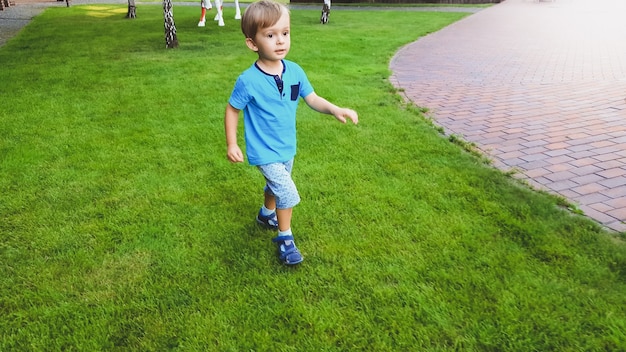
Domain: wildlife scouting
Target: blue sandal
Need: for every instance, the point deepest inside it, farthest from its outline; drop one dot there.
(269, 222)
(290, 254)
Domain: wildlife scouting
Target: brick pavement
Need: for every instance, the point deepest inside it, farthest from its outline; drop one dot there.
(539, 87)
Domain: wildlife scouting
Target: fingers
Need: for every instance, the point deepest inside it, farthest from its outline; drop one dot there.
(347, 113)
(352, 115)
(234, 155)
(235, 158)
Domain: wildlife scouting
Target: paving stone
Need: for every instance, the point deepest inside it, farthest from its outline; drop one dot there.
(542, 85)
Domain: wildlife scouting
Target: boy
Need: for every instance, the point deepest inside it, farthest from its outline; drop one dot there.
(268, 92)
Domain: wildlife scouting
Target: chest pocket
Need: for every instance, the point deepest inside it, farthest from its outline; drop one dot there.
(295, 91)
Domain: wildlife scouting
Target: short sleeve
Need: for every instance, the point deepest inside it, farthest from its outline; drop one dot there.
(239, 97)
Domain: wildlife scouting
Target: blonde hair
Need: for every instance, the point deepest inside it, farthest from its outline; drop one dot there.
(261, 14)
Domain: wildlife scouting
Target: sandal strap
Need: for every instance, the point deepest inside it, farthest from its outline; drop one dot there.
(282, 238)
(284, 255)
(289, 255)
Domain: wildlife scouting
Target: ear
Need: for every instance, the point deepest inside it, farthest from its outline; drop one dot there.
(250, 43)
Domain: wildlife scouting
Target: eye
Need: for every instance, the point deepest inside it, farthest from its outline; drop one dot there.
(270, 36)
(286, 33)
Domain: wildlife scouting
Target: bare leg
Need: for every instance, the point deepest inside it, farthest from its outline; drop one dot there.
(284, 218)
(270, 201)
(218, 17)
(325, 12)
(283, 215)
(204, 5)
(237, 10)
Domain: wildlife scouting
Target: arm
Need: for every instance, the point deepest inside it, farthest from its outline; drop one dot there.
(231, 119)
(322, 105)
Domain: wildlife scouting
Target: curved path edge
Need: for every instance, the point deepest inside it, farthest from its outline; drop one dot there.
(540, 88)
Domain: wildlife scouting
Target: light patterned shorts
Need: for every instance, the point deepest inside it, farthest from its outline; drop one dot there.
(279, 183)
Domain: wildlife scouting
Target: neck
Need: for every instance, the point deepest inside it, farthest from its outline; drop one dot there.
(273, 67)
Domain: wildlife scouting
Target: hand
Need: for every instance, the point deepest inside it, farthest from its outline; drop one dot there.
(234, 154)
(343, 113)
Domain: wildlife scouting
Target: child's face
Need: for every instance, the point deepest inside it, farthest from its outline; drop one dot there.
(272, 43)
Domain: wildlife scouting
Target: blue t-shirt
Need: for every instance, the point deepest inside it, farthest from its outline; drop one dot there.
(269, 111)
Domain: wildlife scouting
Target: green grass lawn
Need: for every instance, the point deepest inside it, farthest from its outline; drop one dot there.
(124, 227)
